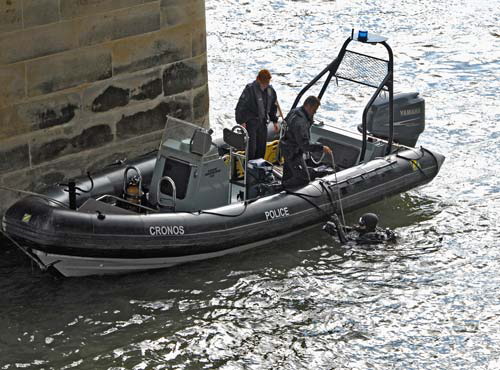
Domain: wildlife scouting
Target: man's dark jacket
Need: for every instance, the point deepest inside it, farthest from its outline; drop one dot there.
(252, 107)
(296, 140)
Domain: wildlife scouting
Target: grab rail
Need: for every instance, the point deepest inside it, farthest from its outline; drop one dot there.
(174, 192)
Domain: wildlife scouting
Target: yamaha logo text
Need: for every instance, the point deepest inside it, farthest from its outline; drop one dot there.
(409, 112)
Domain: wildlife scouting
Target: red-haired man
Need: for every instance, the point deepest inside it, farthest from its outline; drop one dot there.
(257, 107)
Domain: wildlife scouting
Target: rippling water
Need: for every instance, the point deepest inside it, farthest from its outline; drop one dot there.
(429, 301)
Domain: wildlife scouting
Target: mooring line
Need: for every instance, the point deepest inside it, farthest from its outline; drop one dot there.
(35, 195)
(30, 255)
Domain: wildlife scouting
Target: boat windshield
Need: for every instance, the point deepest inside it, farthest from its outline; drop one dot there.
(178, 132)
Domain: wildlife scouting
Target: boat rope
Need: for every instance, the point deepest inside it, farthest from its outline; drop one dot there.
(121, 162)
(307, 195)
(118, 162)
(316, 162)
(304, 197)
(282, 130)
(327, 191)
(201, 212)
(80, 189)
(35, 195)
(324, 189)
(432, 155)
(147, 154)
(336, 181)
(338, 188)
(421, 154)
(25, 251)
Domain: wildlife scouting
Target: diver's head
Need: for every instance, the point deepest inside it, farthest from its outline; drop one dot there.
(311, 105)
(368, 221)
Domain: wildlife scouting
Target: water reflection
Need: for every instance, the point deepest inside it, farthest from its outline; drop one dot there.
(297, 302)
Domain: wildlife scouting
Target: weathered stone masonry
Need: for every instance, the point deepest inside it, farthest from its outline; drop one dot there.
(86, 82)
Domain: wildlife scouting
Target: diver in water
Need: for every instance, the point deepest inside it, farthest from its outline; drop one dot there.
(366, 232)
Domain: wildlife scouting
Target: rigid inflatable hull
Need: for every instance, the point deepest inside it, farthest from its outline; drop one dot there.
(77, 244)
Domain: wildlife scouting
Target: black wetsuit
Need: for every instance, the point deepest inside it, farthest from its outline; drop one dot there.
(357, 234)
(294, 144)
(373, 237)
(256, 107)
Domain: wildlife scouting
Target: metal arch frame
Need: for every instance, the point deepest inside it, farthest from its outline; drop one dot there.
(387, 82)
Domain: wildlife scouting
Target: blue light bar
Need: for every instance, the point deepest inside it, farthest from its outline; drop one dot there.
(362, 36)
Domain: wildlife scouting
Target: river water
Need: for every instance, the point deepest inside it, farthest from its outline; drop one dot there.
(431, 300)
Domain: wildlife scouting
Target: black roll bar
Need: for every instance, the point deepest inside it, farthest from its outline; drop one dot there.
(387, 82)
(332, 67)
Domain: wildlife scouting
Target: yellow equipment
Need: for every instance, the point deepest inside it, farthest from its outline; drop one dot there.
(270, 156)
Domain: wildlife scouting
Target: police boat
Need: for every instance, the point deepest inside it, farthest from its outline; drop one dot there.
(200, 198)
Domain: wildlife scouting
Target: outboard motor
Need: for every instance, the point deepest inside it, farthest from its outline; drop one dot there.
(409, 118)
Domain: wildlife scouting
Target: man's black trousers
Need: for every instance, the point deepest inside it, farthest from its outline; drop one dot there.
(257, 132)
(295, 171)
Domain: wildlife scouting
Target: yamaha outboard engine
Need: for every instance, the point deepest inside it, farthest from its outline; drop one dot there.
(409, 118)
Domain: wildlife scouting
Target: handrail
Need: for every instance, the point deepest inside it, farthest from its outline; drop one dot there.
(174, 192)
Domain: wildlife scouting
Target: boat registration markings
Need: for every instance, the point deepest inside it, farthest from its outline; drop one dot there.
(166, 230)
(277, 213)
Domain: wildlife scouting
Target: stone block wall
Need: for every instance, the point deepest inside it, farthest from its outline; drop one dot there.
(86, 82)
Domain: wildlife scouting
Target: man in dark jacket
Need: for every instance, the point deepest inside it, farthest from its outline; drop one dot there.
(296, 142)
(256, 107)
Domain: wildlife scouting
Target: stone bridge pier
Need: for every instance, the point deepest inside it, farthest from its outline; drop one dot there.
(86, 82)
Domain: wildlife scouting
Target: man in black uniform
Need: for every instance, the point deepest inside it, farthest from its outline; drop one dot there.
(296, 142)
(256, 107)
(366, 232)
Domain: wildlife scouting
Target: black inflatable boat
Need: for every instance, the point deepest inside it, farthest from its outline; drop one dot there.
(198, 198)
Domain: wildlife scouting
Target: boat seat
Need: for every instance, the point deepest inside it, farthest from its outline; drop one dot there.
(234, 139)
(92, 205)
(201, 142)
